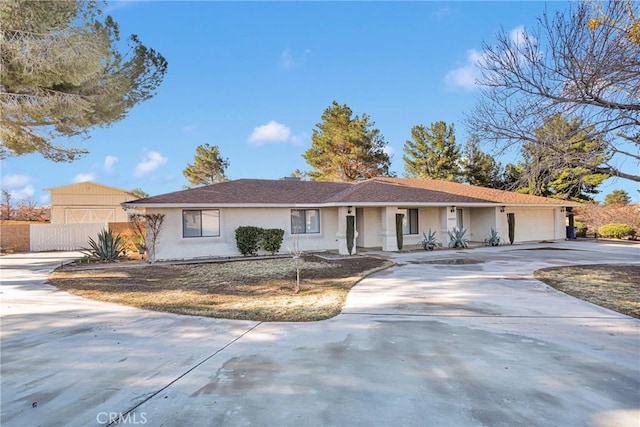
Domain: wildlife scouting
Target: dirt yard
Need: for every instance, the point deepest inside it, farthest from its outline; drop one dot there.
(252, 289)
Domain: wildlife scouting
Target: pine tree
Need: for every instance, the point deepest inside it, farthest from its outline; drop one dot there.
(479, 168)
(346, 148)
(64, 71)
(432, 153)
(208, 166)
(562, 160)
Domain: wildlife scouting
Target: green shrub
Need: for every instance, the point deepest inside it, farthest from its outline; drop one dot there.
(493, 239)
(617, 231)
(457, 238)
(582, 229)
(248, 239)
(399, 235)
(108, 248)
(430, 241)
(272, 239)
(351, 226)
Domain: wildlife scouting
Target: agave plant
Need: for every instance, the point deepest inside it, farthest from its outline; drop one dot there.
(430, 241)
(493, 239)
(108, 248)
(457, 238)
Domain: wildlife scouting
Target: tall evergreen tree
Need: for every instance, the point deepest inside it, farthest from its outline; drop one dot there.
(617, 197)
(562, 160)
(346, 148)
(65, 71)
(208, 166)
(432, 153)
(479, 168)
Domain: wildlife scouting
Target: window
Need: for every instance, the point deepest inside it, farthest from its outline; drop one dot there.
(305, 221)
(204, 223)
(410, 221)
(459, 219)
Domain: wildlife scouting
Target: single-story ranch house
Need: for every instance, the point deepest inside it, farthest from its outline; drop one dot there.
(201, 222)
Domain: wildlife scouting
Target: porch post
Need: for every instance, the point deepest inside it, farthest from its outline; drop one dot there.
(389, 241)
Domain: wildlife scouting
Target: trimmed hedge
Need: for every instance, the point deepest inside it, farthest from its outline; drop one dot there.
(250, 239)
(272, 239)
(617, 231)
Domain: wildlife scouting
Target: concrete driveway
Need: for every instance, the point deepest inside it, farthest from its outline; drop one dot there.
(471, 343)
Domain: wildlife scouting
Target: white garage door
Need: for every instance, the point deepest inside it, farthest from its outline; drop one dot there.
(87, 216)
(534, 224)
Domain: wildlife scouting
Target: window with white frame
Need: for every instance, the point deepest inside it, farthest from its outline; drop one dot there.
(410, 221)
(305, 221)
(201, 223)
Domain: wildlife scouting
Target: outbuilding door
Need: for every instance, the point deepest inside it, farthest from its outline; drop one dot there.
(88, 215)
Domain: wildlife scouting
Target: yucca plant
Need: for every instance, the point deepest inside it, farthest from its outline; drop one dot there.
(430, 241)
(493, 239)
(108, 248)
(457, 238)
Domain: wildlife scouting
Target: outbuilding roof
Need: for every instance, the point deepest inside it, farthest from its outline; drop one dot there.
(376, 191)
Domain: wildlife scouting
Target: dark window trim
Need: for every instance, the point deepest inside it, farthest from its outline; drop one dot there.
(200, 211)
(304, 221)
(413, 227)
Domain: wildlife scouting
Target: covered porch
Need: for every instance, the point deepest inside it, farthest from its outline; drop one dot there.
(375, 226)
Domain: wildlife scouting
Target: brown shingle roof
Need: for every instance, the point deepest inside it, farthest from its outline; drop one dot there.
(482, 193)
(374, 191)
(251, 191)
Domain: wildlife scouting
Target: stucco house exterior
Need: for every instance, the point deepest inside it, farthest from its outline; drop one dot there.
(201, 222)
(88, 202)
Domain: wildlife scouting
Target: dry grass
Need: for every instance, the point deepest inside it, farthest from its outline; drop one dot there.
(252, 289)
(616, 287)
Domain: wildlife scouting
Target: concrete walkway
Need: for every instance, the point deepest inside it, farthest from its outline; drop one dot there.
(469, 344)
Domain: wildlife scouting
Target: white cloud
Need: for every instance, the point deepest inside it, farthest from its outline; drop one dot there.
(289, 60)
(518, 36)
(83, 177)
(151, 161)
(272, 132)
(23, 193)
(109, 162)
(45, 199)
(389, 151)
(467, 75)
(13, 181)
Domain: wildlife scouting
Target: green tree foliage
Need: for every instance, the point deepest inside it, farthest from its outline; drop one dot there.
(511, 176)
(63, 72)
(208, 166)
(562, 160)
(346, 148)
(583, 62)
(617, 197)
(479, 168)
(140, 192)
(432, 153)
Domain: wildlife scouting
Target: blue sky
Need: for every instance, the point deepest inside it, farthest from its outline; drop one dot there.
(255, 77)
